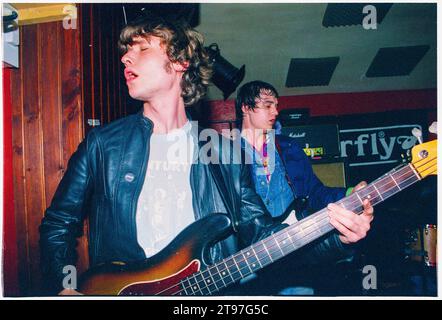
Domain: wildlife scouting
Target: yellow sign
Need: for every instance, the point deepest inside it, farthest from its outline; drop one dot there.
(314, 152)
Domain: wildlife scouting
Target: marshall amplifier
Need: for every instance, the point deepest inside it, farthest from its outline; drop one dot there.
(318, 141)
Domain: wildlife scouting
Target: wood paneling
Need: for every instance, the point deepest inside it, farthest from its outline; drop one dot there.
(47, 127)
(72, 123)
(33, 150)
(51, 118)
(19, 178)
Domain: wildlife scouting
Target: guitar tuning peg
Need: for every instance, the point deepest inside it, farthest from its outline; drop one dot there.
(433, 127)
(417, 133)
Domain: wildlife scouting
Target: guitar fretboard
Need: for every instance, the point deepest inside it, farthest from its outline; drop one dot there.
(264, 252)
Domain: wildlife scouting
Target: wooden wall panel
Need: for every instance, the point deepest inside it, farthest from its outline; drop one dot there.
(51, 117)
(72, 107)
(19, 178)
(33, 149)
(47, 127)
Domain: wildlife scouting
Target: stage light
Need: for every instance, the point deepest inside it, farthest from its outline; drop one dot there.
(225, 76)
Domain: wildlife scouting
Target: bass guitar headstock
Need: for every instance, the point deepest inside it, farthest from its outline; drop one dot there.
(424, 155)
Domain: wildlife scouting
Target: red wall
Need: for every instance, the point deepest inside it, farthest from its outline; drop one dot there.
(10, 276)
(344, 103)
(362, 102)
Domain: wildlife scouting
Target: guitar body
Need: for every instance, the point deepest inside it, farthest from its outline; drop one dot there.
(162, 273)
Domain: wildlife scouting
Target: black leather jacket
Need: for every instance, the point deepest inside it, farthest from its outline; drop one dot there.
(103, 181)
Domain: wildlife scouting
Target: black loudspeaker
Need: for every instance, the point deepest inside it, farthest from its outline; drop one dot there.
(331, 174)
(318, 141)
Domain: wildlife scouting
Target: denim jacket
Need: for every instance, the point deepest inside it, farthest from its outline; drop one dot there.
(304, 182)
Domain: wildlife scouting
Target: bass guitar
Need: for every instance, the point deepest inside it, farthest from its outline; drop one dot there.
(181, 268)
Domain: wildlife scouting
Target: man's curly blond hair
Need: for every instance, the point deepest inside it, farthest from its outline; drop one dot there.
(183, 44)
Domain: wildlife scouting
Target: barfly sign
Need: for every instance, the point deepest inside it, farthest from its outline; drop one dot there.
(379, 145)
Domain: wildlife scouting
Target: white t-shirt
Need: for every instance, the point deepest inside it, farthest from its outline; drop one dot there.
(165, 203)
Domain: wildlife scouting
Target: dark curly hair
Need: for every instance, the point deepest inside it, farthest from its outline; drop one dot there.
(248, 93)
(183, 44)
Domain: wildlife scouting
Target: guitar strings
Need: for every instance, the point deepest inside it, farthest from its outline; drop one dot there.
(267, 240)
(242, 251)
(286, 232)
(234, 258)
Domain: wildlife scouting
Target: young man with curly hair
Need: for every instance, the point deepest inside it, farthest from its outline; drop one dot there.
(140, 179)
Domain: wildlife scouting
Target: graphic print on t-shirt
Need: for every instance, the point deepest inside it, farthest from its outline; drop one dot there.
(165, 202)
